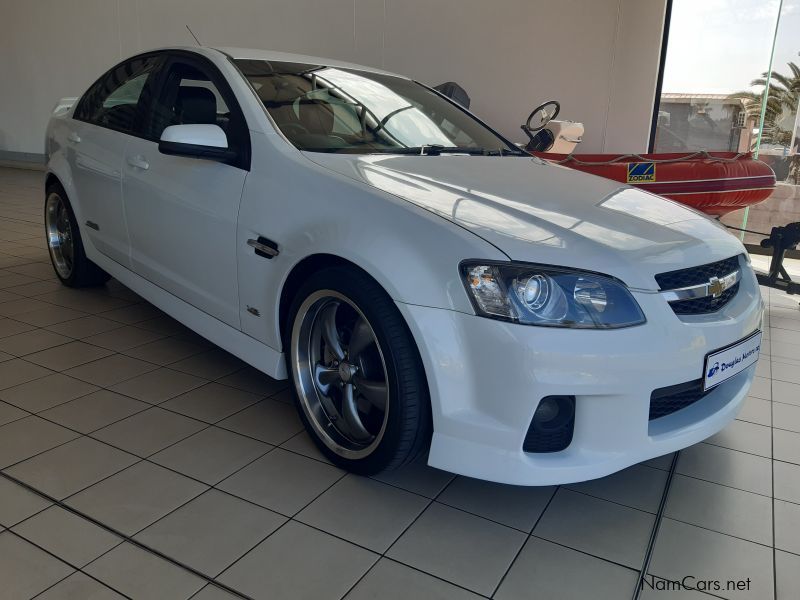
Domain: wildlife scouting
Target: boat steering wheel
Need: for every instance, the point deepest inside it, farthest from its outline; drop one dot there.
(540, 117)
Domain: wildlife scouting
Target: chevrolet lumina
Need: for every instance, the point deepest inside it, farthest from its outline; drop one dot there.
(424, 284)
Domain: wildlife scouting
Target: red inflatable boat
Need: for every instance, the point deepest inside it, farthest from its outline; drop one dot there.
(715, 183)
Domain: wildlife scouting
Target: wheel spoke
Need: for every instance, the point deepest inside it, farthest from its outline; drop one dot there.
(325, 377)
(350, 413)
(59, 235)
(329, 332)
(360, 340)
(374, 391)
(329, 407)
(62, 218)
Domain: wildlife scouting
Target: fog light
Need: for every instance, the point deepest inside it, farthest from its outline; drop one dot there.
(552, 425)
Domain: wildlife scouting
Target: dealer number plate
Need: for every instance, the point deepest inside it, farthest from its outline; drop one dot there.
(724, 364)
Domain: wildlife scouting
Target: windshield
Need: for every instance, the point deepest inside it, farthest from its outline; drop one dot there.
(333, 109)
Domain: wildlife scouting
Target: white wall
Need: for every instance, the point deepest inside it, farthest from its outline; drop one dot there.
(598, 57)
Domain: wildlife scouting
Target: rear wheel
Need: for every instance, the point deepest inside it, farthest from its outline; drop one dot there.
(360, 386)
(65, 244)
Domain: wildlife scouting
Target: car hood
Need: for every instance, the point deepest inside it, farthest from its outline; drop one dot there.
(538, 212)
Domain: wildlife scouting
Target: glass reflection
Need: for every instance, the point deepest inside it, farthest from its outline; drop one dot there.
(780, 134)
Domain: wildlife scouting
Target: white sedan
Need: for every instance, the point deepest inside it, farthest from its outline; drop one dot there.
(426, 286)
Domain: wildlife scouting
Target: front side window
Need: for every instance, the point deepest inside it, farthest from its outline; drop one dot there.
(193, 92)
(189, 97)
(115, 99)
(334, 109)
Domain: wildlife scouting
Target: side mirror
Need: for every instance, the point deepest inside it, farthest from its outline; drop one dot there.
(196, 141)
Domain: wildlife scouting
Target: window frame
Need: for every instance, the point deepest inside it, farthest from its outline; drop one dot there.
(149, 88)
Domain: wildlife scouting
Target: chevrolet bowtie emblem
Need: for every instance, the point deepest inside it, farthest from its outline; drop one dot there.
(716, 286)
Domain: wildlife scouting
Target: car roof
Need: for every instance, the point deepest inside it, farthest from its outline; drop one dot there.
(269, 55)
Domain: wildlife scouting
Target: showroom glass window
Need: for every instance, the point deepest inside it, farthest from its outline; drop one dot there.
(114, 100)
(708, 99)
(332, 109)
(716, 78)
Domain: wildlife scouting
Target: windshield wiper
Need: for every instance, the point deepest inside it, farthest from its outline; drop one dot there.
(506, 152)
(426, 150)
(438, 149)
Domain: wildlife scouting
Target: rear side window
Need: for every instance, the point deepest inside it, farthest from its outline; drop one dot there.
(114, 100)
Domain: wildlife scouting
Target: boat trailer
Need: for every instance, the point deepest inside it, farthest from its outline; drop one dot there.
(780, 239)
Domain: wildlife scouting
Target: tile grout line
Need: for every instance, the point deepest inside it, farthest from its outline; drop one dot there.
(654, 532)
(772, 476)
(147, 458)
(723, 533)
(124, 537)
(383, 555)
(289, 519)
(168, 366)
(525, 543)
(75, 569)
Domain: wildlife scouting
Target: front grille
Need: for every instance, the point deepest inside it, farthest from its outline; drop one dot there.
(672, 280)
(702, 306)
(667, 400)
(681, 278)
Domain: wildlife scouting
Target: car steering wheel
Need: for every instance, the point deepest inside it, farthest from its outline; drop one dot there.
(541, 116)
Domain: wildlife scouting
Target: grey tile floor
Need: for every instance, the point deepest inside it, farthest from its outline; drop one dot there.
(137, 460)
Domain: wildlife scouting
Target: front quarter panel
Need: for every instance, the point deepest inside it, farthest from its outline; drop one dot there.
(58, 157)
(308, 210)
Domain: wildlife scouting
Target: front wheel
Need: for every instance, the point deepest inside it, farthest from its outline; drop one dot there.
(360, 386)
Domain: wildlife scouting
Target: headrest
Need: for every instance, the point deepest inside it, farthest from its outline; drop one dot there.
(316, 116)
(196, 105)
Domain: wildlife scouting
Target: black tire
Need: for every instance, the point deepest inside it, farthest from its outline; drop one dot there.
(83, 272)
(408, 424)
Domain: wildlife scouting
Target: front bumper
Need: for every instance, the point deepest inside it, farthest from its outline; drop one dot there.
(487, 377)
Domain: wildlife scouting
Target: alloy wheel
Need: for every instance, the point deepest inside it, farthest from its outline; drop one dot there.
(340, 374)
(60, 239)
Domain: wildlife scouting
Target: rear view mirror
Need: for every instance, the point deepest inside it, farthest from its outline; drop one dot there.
(455, 92)
(196, 141)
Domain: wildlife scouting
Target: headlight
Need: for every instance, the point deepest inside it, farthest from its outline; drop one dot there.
(549, 296)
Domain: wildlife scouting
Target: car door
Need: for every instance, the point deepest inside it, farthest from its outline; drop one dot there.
(102, 124)
(181, 211)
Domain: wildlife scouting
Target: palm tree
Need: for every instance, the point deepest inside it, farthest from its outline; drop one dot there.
(783, 96)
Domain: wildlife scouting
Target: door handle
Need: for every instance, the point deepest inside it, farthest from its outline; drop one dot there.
(74, 137)
(139, 162)
(264, 247)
